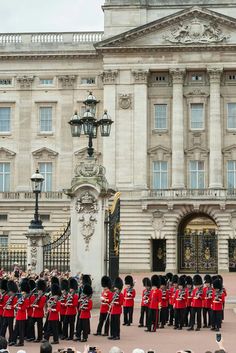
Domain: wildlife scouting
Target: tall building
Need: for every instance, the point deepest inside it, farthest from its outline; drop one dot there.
(166, 73)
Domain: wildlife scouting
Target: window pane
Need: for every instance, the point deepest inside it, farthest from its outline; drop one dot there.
(5, 119)
(197, 116)
(45, 115)
(231, 174)
(3, 241)
(160, 175)
(160, 116)
(4, 177)
(46, 170)
(196, 175)
(231, 118)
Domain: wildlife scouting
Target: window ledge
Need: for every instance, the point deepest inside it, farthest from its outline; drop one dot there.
(45, 133)
(5, 133)
(160, 132)
(231, 131)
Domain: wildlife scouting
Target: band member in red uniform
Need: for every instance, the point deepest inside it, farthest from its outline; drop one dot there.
(225, 294)
(155, 301)
(8, 310)
(53, 309)
(106, 298)
(38, 304)
(71, 310)
(63, 299)
(164, 301)
(189, 289)
(207, 301)
(21, 314)
(128, 305)
(180, 304)
(3, 295)
(29, 322)
(196, 308)
(172, 291)
(218, 298)
(145, 302)
(116, 309)
(85, 308)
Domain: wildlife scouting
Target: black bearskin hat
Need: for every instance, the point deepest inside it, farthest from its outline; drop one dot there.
(86, 279)
(55, 289)
(106, 282)
(181, 281)
(73, 283)
(220, 278)
(12, 287)
(162, 280)
(3, 284)
(197, 280)
(54, 280)
(24, 285)
(64, 284)
(217, 284)
(207, 279)
(169, 276)
(118, 283)
(32, 284)
(155, 280)
(147, 282)
(189, 280)
(213, 278)
(175, 279)
(41, 285)
(129, 280)
(87, 290)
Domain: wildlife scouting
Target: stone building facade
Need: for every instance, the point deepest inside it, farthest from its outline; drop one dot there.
(167, 76)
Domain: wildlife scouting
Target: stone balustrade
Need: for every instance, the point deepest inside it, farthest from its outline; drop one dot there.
(52, 195)
(201, 194)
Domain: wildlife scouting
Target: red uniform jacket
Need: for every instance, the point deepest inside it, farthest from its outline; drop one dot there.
(106, 298)
(63, 304)
(189, 297)
(2, 302)
(30, 309)
(145, 297)
(53, 312)
(129, 295)
(172, 291)
(197, 298)
(72, 304)
(21, 310)
(38, 309)
(85, 312)
(155, 298)
(180, 299)
(218, 299)
(9, 312)
(207, 297)
(116, 308)
(164, 298)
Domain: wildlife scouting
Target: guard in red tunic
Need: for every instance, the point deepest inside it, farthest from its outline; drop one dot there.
(71, 310)
(116, 309)
(145, 302)
(169, 277)
(106, 298)
(85, 308)
(53, 309)
(9, 310)
(196, 308)
(172, 291)
(218, 299)
(164, 301)
(21, 314)
(207, 301)
(3, 295)
(63, 299)
(38, 304)
(189, 289)
(225, 294)
(180, 304)
(128, 305)
(155, 301)
(29, 322)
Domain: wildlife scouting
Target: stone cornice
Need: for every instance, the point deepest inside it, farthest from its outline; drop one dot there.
(49, 56)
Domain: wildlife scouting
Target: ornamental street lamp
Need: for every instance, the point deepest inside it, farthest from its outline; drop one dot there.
(37, 183)
(88, 124)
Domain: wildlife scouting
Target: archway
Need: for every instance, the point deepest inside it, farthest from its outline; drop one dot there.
(197, 244)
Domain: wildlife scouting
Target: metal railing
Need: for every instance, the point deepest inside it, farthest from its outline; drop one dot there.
(11, 255)
(191, 194)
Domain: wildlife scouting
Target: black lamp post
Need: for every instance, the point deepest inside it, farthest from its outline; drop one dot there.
(88, 124)
(37, 182)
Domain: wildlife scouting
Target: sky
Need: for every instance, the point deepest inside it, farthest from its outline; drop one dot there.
(50, 15)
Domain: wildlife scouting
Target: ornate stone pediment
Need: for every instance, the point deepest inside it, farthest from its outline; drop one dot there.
(230, 151)
(197, 152)
(159, 151)
(82, 154)
(5, 153)
(45, 153)
(192, 26)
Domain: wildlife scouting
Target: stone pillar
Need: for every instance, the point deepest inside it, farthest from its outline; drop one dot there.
(109, 78)
(178, 165)
(35, 241)
(215, 159)
(140, 128)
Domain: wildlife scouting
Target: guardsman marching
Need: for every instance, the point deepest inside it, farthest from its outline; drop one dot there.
(53, 310)
(172, 291)
(29, 322)
(218, 298)
(164, 301)
(189, 289)
(180, 304)
(155, 301)
(128, 305)
(71, 310)
(145, 302)
(85, 307)
(116, 309)
(106, 298)
(63, 299)
(38, 304)
(196, 309)
(207, 301)
(3, 294)
(8, 310)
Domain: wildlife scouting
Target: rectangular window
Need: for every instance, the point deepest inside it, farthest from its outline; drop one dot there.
(46, 170)
(196, 175)
(3, 217)
(196, 116)
(160, 116)
(3, 241)
(46, 81)
(160, 175)
(45, 217)
(4, 177)
(88, 81)
(231, 174)
(45, 118)
(196, 77)
(5, 81)
(231, 115)
(5, 119)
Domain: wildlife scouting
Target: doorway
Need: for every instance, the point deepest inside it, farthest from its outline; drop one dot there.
(159, 255)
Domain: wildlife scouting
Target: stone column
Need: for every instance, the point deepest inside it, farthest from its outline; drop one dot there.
(35, 240)
(140, 129)
(178, 166)
(109, 78)
(215, 143)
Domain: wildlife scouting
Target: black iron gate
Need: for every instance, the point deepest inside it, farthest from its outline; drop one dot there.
(56, 255)
(159, 255)
(232, 255)
(198, 252)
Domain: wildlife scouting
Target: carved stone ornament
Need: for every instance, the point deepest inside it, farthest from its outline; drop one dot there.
(196, 32)
(140, 76)
(67, 80)
(158, 222)
(33, 253)
(109, 76)
(177, 75)
(89, 170)
(197, 92)
(25, 81)
(215, 74)
(125, 101)
(87, 208)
